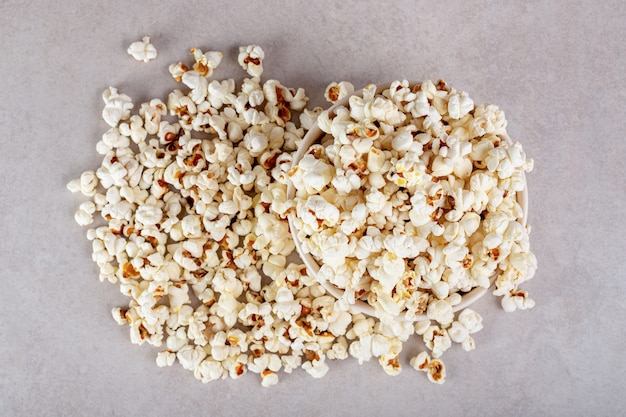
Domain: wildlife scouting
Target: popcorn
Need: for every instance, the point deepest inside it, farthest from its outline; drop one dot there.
(316, 366)
(389, 267)
(391, 365)
(190, 357)
(421, 361)
(205, 62)
(87, 185)
(142, 50)
(471, 320)
(116, 106)
(517, 300)
(209, 370)
(337, 91)
(468, 344)
(198, 84)
(149, 214)
(459, 105)
(251, 59)
(458, 332)
(165, 358)
(409, 201)
(269, 378)
(436, 371)
(437, 340)
(84, 214)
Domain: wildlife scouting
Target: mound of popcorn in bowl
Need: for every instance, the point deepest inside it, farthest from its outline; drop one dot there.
(411, 202)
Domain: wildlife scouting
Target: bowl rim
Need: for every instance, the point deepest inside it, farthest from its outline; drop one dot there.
(313, 136)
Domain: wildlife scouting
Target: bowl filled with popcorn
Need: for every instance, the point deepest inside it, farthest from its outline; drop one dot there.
(411, 202)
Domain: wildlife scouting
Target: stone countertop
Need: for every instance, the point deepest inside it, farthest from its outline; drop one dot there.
(555, 67)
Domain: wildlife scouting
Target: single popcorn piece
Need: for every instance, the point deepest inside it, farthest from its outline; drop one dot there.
(459, 105)
(165, 358)
(86, 184)
(269, 378)
(119, 315)
(421, 362)
(142, 50)
(84, 215)
(206, 62)
(251, 59)
(440, 311)
(437, 340)
(337, 91)
(116, 106)
(436, 371)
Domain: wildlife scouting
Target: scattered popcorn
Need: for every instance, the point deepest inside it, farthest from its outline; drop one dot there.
(196, 228)
(269, 378)
(437, 340)
(205, 62)
(517, 300)
(84, 214)
(165, 358)
(142, 50)
(471, 320)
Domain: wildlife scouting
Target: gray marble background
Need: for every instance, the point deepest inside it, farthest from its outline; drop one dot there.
(555, 67)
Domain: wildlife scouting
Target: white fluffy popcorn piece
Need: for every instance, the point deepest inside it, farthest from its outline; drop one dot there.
(142, 50)
(74, 186)
(436, 371)
(210, 370)
(390, 266)
(190, 356)
(116, 106)
(390, 364)
(251, 59)
(315, 365)
(468, 344)
(269, 378)
(149, 214)
(459, 105)
(440, 311)
(337, 91)
(312, 174)
(206, 62)
(199, 88)
(84, 215)
(386, 112)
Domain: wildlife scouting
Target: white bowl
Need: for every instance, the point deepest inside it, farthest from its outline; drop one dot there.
(315, 135)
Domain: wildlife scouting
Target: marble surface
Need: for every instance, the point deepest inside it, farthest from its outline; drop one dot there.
(555, 67)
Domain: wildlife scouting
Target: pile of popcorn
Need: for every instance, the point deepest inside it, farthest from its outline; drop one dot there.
(192, 206)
